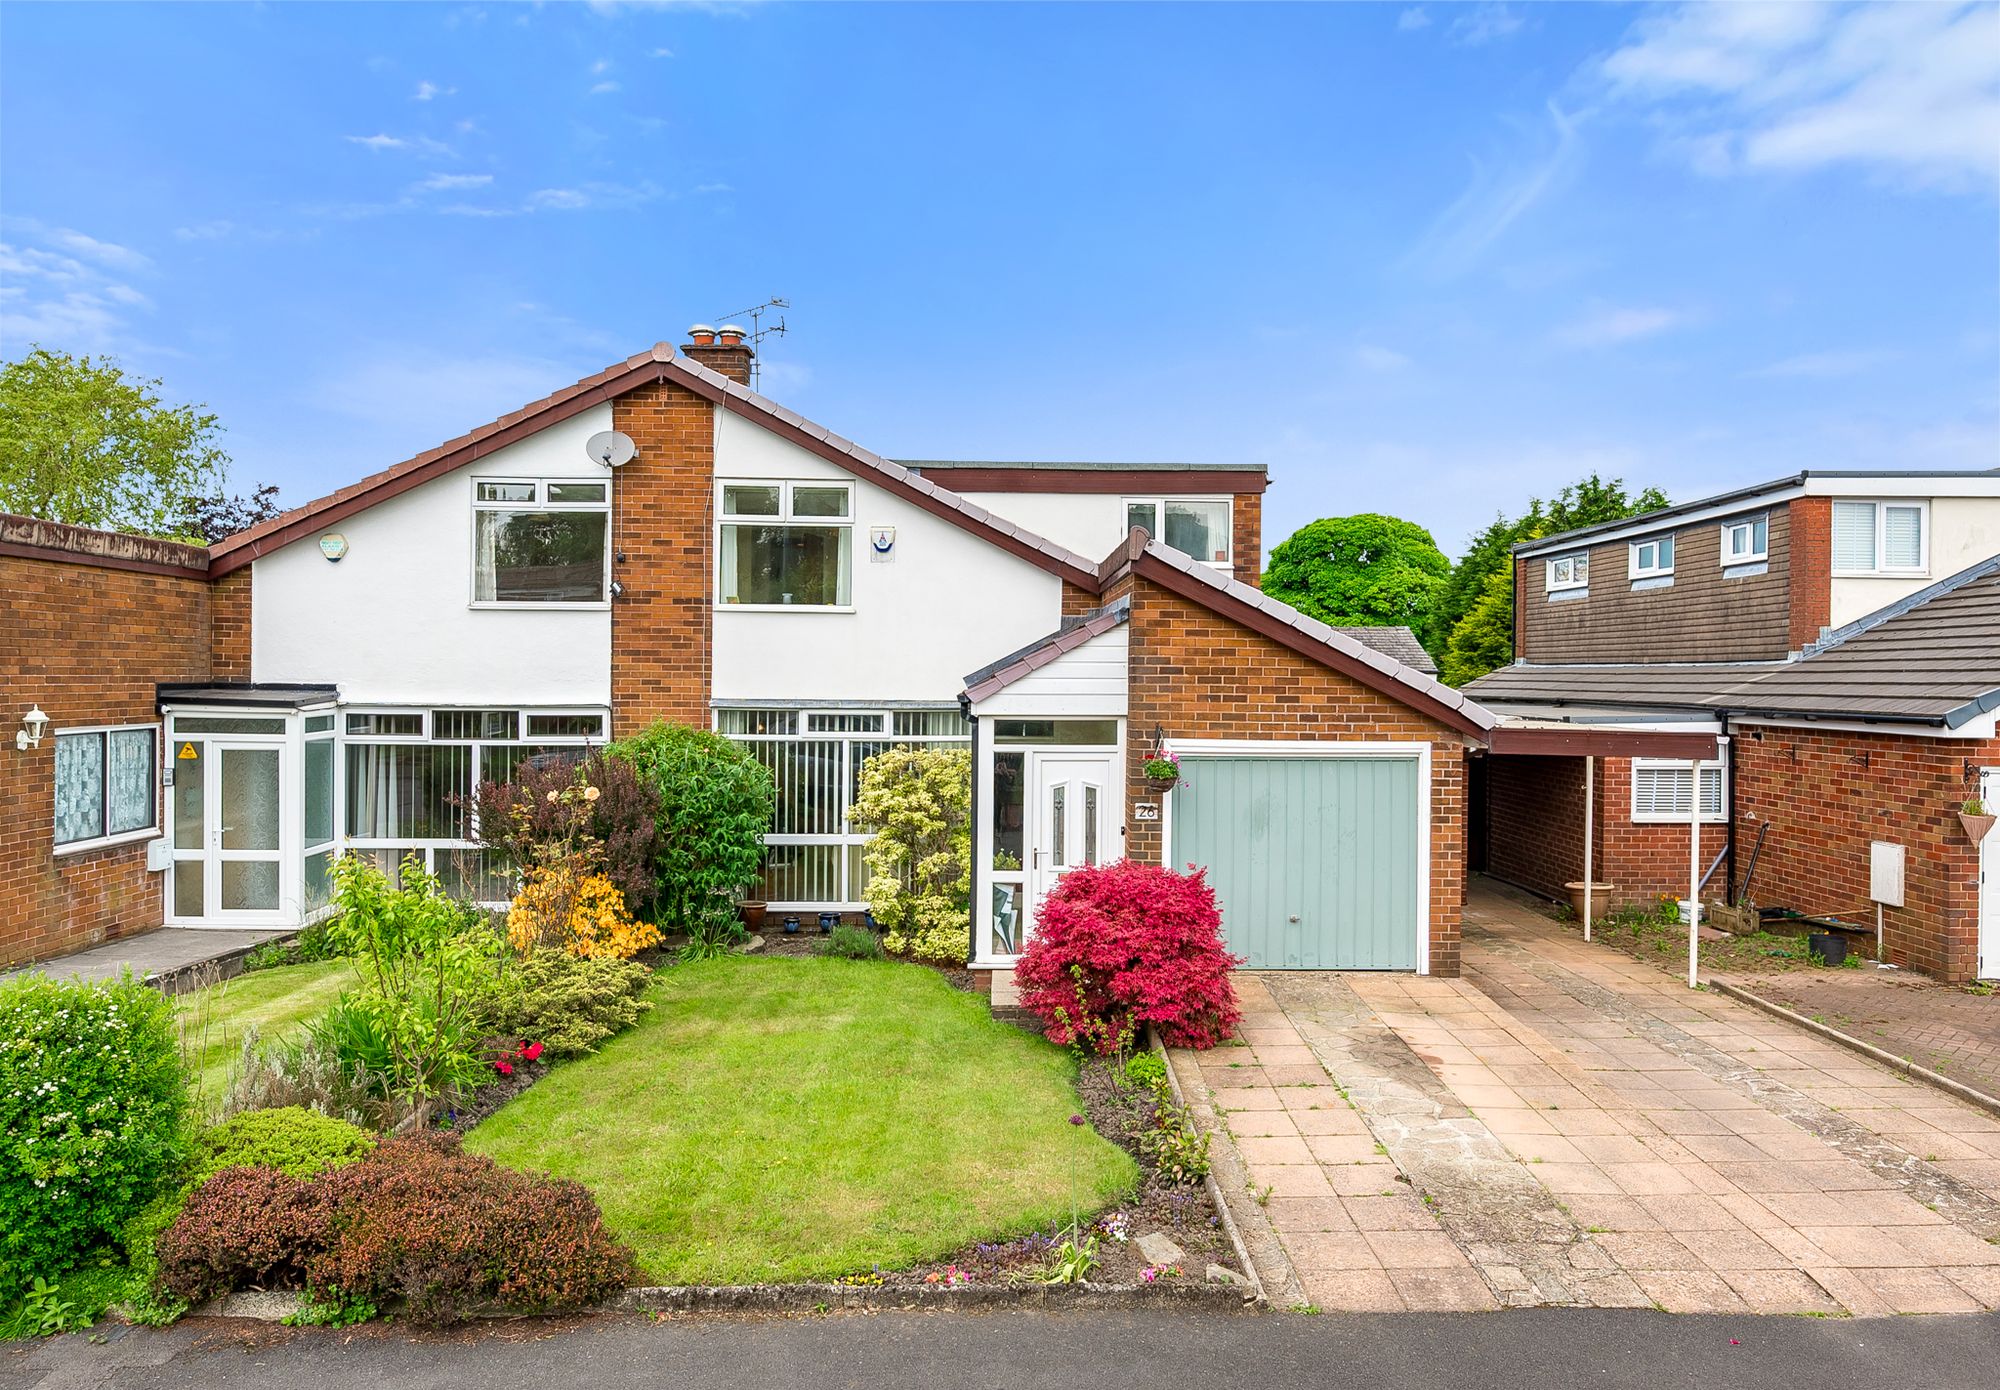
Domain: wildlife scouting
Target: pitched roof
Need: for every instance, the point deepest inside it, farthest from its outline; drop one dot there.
(660, 363)
(991, 679)
(1397, 642)
(1931, 658)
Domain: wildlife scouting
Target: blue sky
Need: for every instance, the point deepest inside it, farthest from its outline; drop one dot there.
(1428, 260)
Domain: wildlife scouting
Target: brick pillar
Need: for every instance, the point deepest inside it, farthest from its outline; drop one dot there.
(1247, 538)
(662, 524)
(1810, 566)
(229, 607)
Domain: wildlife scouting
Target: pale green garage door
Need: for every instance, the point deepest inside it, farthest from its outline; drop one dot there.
(1314, 860)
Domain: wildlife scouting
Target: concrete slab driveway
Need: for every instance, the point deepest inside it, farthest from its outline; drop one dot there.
(1567, 1125)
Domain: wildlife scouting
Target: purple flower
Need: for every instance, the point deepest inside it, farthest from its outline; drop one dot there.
(1076, 1119)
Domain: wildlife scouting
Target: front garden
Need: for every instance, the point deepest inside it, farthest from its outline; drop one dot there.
(457, 1111)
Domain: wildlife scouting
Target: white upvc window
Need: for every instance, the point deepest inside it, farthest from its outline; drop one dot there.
(1660, 791)
(106, 786)
(1198, 527)
(785, 545)
(541, 542)
(1569, 572)
(1652, 558)
(1881, 537)
(1746, 540)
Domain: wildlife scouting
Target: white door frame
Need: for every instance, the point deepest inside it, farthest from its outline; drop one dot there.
(210, 855)
(1048, 860)
(1986, 945)
(1282, 748)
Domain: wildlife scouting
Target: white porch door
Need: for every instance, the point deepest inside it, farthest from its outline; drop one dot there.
(228, 831)
(1989, 883)
(1073, 820)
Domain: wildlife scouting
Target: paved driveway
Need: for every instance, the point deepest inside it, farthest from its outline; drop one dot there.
(1567, 1125)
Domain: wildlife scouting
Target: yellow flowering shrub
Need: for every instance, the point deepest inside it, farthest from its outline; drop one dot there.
(583, 914)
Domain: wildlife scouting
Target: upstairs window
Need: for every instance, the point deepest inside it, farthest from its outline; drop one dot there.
(786, 545)
(1880, 537)
(1569, 572)
(1197, 527)
(1746, 541)
(1653, 559)
(541, 541)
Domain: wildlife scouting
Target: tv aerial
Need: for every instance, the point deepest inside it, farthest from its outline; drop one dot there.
(759, 331)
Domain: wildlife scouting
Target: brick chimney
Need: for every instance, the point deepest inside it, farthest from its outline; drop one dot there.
(725, 349)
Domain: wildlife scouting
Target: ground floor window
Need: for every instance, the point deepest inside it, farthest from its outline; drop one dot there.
(107, 784)
(1660, 791)
(813, 853)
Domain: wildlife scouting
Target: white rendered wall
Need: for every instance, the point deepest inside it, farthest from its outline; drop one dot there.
(1092, 524)
(1089, 682)
(947, 604)
(1964, 531)
(392, 622)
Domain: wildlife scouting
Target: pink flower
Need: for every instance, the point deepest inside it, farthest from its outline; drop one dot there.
(503, 1066)
(531, 1052)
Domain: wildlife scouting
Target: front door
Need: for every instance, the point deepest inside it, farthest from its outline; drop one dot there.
(1073, 817)
(1989, 883)
(228, 846)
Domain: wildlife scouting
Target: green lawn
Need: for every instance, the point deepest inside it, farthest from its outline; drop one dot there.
(788, 1119)
(276, 1001)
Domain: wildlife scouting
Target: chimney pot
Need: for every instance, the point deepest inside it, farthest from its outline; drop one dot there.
(730, 334)
(702, 335)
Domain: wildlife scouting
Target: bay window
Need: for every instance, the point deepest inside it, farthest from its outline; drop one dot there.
(541, 541)
(785, 545)
(1880, 537)
(106, 785)
(1198, 527)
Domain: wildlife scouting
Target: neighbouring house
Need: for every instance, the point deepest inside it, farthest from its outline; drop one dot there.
(659, 541)
(1840, 632)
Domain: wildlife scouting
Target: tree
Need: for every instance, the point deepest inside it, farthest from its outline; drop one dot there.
(81, 442)
(215, 515)
(1471, 589)
(1367, 571)
(917, 804)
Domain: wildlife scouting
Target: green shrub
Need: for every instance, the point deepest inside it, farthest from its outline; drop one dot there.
(293, 1140)
(94, 1117)
(918, 803)
(567, 1003)
(852, 943)
(306, 1072)
(315, 942)
(1145, 1069)
(715, 805)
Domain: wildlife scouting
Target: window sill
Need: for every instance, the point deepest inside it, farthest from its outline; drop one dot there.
(130, 837)
(526, 606)
(1676, 820)
(1564, 595)
(1652, 581)
(1883, 574)
(1746, 569)
(783, 608)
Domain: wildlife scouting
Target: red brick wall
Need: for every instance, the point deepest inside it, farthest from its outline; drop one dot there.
(1824, 806)
(1647, 861)
(1247, 538)
(1197, 674)
(663, 522)
(732, 362)
(1811, 581)
(1077, 600)
(87, 644)
(229, 600)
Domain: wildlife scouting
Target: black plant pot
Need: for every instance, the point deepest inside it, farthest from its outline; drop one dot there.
(1829, 946)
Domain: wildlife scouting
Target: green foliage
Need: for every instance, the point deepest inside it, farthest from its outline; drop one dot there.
(293, 1140)
(918, 804)
(306, 1072)
(1145, 1069)
(1073, 1260)
(1367, 570)
(81, 442)
(424, 958)
(45, 1313)
(1471, 629)
(850, 942)
(315, 942)
(330, 1307)
(94, 1116)
(567, 1003)
(1179, 1150)
(715, 804)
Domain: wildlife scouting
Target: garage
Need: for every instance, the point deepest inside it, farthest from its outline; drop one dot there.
(1317, 853)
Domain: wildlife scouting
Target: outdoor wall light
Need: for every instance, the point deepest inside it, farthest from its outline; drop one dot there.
(32, 725)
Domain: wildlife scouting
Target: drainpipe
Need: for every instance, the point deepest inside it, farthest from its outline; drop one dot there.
(978, 869)
(1728, 812)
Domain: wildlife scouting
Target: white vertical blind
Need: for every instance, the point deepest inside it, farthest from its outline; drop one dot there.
(1854, 535)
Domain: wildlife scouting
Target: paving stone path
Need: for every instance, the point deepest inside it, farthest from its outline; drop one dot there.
(1569, 1125)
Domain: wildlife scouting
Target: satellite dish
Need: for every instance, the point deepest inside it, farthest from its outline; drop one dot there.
(612, 448)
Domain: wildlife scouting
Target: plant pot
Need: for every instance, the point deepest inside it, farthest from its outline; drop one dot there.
(1161, 784)
(1600, 894)
(753, 915)
(791, 926)
(1975, 826)
(1829, 946)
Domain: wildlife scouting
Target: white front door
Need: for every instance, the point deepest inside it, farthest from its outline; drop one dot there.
(1073, 823)
(228, 831)
(1989, 883)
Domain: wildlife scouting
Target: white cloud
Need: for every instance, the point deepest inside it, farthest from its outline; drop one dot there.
(600, 67)
(1495, 199)
(1483, 24)
(445, 182)
(420, 144)
(663, 53)
(1376, 358)
(1610, 326)
(105, 253)
(599, 89)
(1824, 364)
(559, 198)
(1908, 90)
(59, 287)
(1414, 18)
(430, 91)
(705, 188)
(205, 231)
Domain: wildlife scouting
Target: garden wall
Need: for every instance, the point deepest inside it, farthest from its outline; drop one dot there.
(96, 621)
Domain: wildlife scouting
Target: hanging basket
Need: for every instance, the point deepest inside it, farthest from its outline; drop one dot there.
(1975, 826)
(1161, 784)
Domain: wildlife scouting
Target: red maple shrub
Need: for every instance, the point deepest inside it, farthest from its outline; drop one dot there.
(417, 1219)
(1119, 946)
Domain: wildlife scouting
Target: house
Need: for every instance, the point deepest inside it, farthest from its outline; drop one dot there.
(1840, 632)
(659, 541)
